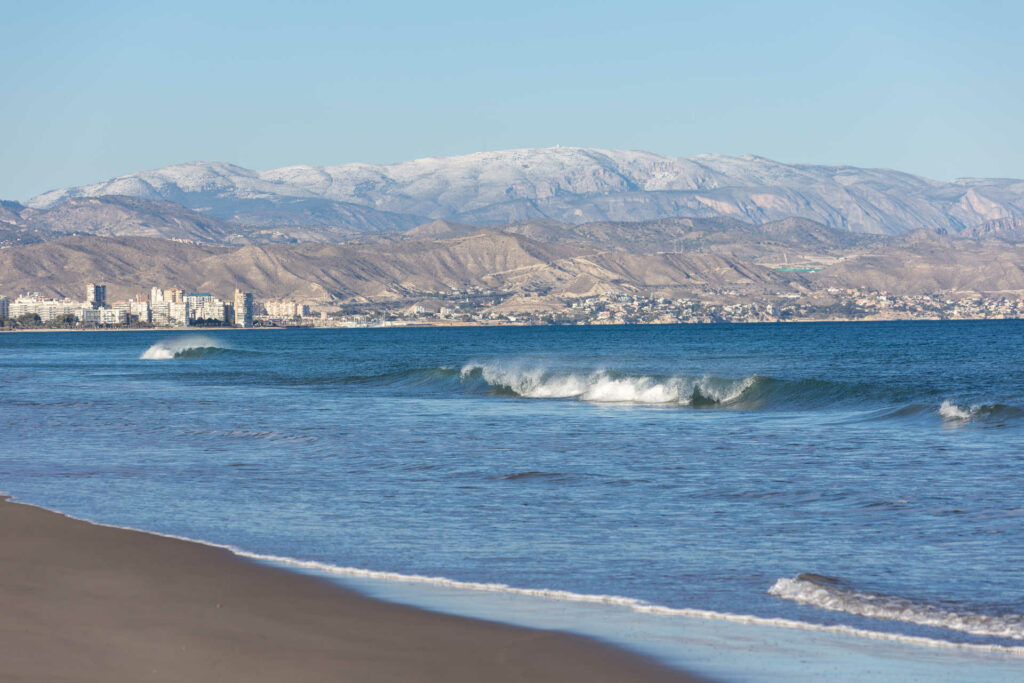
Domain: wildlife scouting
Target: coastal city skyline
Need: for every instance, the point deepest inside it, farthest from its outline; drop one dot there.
(171, 307)
(174, 307)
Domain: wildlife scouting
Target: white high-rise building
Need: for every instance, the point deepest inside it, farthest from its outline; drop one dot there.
(169, 314)
(205, 306)
(178, 313)
(282, 309)
(140, 310)
(243, 308)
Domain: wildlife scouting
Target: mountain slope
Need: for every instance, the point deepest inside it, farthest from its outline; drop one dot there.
(724, 236)
(570, 185)
(925, 263)
(1007, 229)
(10, 212)
(129, 217)
(358, 272)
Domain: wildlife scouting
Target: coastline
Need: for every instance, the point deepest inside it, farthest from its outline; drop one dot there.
(134, 329)
(460, 325)
(88, 602)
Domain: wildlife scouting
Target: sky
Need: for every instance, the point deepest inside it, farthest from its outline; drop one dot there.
(89, 91)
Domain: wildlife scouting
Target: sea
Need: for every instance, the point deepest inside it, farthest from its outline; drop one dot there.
(760, 502)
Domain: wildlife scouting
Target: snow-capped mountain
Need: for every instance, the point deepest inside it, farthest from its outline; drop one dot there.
(571, 185)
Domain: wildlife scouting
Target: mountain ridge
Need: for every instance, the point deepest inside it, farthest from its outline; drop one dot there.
(570, 185)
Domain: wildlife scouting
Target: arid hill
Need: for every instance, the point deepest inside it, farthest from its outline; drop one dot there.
(359, 272)
(726, 237)
(673, 258)
(924, 262)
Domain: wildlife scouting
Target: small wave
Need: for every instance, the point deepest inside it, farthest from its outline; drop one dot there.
(829, 593)
(911, 410)
(516, 476)
(248, 434)
(956, 413)
(188, 347)
(606, 387)
(897, 412)
(632, 604)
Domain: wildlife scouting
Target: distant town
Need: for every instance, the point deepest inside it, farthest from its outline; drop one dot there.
(171, 307)
(176, 308)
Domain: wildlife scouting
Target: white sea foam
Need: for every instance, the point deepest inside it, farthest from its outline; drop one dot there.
(951, 411)
(632, 604)
(168, 349)
(603, 387)
(807, 591)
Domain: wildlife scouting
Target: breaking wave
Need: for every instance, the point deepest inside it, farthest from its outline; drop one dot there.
(829, 593)
(189, 347)
(956, 413)
(608, 387)
(519, 379)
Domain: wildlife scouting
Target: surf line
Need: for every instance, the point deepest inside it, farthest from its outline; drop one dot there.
(631, 604)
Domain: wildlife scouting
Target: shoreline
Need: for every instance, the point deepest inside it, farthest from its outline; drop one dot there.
(134, 329)
(89, 602)
(446, 325)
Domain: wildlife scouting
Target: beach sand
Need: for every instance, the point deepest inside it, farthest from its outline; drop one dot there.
(83, 602)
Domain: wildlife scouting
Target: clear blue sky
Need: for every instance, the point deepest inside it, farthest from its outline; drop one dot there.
(93, 90)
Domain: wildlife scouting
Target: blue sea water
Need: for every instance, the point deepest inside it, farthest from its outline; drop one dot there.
(858, 483)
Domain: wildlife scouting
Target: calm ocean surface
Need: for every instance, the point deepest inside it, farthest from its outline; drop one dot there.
(868, 476)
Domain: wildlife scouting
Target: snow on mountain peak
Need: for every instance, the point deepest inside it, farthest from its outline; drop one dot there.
(574, 184)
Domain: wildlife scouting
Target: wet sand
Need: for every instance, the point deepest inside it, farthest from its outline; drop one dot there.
(82, 602)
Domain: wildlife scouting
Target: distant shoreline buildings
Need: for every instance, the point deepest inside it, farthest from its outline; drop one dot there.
(172, 307)
(175, 307)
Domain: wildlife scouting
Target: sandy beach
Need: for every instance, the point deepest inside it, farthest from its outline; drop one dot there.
(83, 602)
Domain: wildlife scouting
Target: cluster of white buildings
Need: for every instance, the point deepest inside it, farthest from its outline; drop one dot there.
(91, 311)
(164, 307)
(176, 307)
(285, 310)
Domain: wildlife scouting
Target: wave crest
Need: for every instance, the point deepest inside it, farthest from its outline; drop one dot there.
(191, 346)
(602, 386)
(956, 413)
(828, 593)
